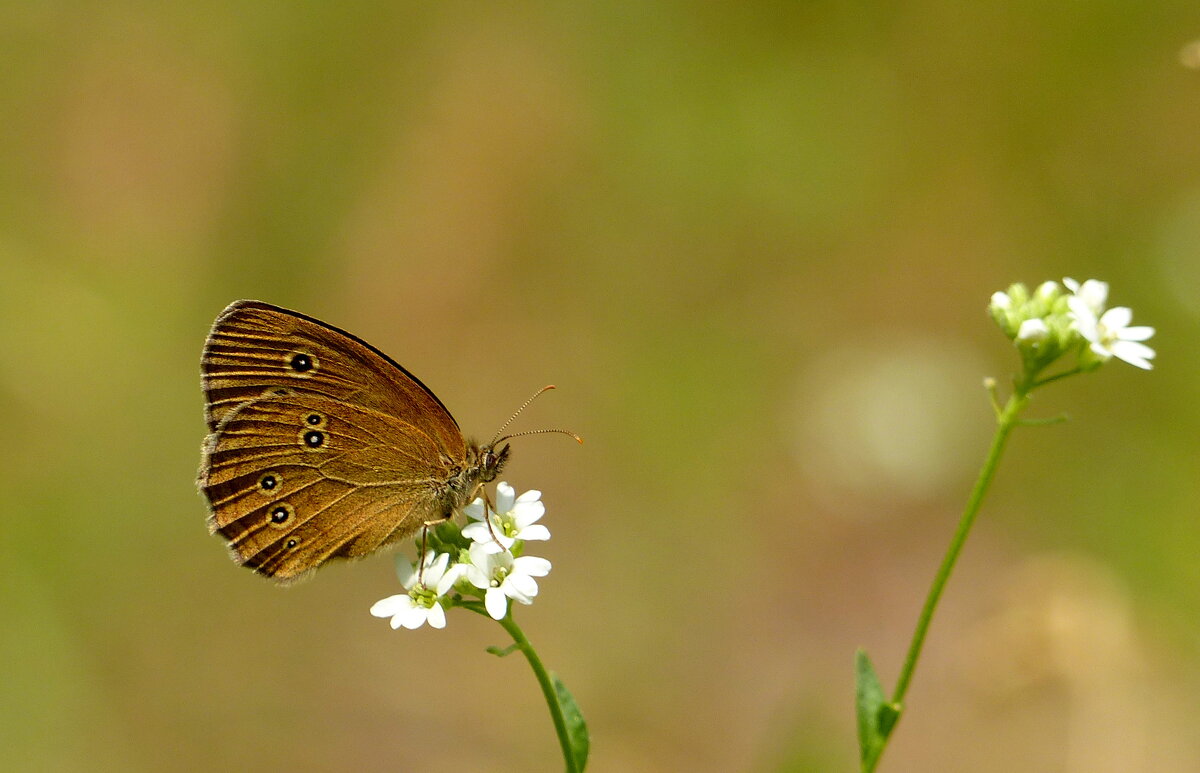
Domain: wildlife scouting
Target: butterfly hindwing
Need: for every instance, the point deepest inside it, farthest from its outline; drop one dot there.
(296, 478)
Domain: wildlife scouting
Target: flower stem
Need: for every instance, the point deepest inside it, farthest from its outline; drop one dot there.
(1007, 420)
(1057, 376)
(544, 680)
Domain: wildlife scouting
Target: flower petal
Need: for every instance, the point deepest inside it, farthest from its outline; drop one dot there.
(389, 606)
(1135, 348)
(437, 616)
(477, 532)
(478, 577)
(532, 566)
(496, 603)
(1116, 318)
(1094, 293)
(535, 532)
(481, 556)
(474, 511)
(525, 513)
(1134, 353)
(1137, 333)
(403, 612)
(480, 534)
(1085, 320)
(505, 496)
(521, 587)
(412, 618)
(495, 548)
(452, 576)
(405, 571)
(435, 569)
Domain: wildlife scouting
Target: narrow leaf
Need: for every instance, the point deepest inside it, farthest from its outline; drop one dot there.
(876, 715)
(868, 697)
(500, 653)
(577, 732)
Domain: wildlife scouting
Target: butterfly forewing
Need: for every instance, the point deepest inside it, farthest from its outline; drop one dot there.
(255, 348)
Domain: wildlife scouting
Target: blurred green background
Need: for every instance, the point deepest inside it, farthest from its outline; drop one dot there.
(752, 244)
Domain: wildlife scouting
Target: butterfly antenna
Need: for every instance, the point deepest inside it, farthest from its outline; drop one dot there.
(541, 432)
(524, 405)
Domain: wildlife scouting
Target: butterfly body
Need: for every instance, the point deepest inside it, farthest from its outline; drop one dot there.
(322, 447)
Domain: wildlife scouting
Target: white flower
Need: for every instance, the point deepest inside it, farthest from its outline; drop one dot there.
(515, 519)
(1107, 332)
(420, 605)
(503, 577)
(1092, 294)
(1033, 330)
(1112, 336)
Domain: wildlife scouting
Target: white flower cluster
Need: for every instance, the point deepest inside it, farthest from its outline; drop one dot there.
(492, 566)
(1052, 321)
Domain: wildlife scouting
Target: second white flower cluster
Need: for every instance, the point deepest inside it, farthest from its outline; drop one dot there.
(491, 565)
(1053, 320)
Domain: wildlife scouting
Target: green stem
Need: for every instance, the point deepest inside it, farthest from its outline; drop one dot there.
(543, 677)
(1007, 421)
(1057, 376)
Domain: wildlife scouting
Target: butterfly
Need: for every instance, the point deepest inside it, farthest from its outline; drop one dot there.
(321, 447)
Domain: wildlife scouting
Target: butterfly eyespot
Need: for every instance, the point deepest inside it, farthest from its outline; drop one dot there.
(303, 363)
(315, 419)
(292, 543)
(280, 514)
(269, 482)
(313, 439)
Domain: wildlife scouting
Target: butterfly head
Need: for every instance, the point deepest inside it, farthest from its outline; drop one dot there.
(491, 462)
(484, 462)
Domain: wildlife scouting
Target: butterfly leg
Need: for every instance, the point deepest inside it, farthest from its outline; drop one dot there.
(488, 509)
(421, 554)
(425, 541)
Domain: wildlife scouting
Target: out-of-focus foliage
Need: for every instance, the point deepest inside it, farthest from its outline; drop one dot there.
(752, 244)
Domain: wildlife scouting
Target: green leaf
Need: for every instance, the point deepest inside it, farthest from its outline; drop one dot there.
(876, 715)
(505, 652)
(577, 732)
(868, 697)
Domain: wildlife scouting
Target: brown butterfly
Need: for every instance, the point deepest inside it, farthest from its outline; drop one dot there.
(321, 446)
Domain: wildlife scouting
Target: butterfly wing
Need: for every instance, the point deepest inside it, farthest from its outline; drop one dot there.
(255, 347)
(296, 479)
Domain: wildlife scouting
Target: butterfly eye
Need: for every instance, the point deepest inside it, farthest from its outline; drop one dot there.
(491, 465)
(281, 514)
